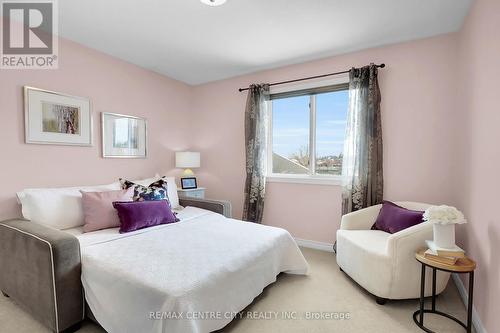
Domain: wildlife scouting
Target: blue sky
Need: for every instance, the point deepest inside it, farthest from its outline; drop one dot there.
(291, 123)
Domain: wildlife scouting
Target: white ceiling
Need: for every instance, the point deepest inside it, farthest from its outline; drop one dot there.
(195, 43)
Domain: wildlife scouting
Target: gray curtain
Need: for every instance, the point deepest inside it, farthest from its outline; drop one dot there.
(362, 163)
(256, 132)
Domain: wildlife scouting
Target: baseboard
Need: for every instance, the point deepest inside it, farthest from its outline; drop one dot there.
(476, 321)
(314, 245)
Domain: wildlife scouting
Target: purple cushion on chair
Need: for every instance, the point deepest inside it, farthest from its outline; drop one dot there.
(137, 215)
(393, 218)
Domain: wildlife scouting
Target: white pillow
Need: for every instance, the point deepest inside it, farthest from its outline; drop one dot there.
(172, 192)
(59, 208)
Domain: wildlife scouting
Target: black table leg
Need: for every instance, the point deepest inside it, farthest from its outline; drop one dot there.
(422, 295)
(469, 305)
(418, 316)
(433, 289)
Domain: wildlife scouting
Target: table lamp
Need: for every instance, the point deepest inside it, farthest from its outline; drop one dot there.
(187, 160)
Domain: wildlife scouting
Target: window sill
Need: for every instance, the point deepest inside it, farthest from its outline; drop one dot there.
(313, 180)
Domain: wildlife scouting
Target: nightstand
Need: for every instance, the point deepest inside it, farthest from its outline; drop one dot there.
(463, 265)
(192, 193)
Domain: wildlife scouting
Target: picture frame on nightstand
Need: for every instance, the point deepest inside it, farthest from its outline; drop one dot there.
(188, 183)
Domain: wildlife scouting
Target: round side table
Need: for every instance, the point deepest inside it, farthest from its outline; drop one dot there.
(463, 265)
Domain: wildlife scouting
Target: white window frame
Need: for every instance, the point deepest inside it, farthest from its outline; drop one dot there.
(310, 178)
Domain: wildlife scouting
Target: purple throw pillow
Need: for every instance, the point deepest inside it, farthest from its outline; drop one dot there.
(393, 218)
(137, 215)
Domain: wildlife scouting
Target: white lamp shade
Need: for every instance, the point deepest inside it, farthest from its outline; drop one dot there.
(187, 159)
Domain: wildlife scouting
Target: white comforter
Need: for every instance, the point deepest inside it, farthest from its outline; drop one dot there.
(190, 276)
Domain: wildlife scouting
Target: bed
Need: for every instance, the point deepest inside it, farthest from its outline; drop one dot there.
(191, 276)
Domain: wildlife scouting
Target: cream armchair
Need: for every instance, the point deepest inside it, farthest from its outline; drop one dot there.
(384, 264)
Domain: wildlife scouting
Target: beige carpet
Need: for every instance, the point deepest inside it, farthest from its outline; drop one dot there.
(326, 290)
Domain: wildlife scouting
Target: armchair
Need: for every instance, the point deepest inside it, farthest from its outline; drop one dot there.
(384, 264)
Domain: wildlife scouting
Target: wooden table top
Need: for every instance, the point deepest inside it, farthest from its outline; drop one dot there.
(463, 265)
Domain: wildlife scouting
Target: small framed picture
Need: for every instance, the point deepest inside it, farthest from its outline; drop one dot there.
(188, 183)
(123, 136)
(55, 118)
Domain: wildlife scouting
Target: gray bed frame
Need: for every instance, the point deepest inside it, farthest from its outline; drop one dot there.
(40, 269)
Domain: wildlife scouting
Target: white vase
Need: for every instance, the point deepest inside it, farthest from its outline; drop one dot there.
(444, 235)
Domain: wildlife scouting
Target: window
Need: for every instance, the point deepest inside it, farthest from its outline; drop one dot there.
(307, 132)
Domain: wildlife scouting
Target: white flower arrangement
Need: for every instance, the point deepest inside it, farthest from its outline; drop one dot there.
(444, 215)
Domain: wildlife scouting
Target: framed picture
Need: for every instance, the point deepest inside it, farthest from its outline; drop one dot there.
(123, 136)
(188, 183)
(55, 118)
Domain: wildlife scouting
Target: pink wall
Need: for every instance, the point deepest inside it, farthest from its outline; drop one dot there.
(478, 181)
(418, 114)
(113, 86)
(439, 121)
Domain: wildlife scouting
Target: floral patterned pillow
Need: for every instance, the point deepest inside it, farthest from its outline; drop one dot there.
(154, 191)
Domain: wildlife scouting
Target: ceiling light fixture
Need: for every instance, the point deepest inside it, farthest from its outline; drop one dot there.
(213, 2)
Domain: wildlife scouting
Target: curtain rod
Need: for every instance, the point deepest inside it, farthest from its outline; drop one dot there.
(309, 78)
